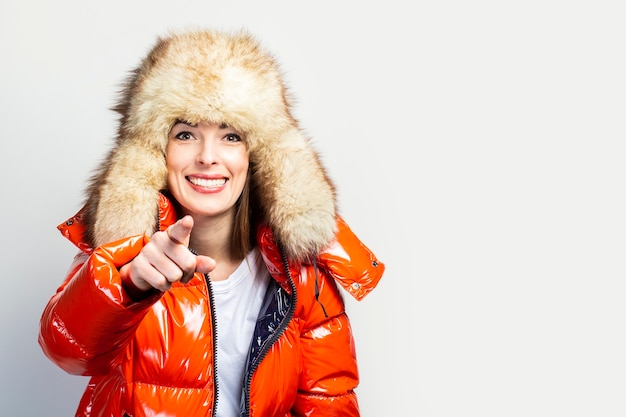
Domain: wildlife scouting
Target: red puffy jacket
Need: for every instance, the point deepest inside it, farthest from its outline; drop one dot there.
(155, 357)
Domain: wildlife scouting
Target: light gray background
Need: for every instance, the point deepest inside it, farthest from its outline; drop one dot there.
(477, 147)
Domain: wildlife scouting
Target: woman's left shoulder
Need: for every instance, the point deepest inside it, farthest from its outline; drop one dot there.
(350, 262)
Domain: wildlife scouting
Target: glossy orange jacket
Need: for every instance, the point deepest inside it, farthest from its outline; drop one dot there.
(155, 356)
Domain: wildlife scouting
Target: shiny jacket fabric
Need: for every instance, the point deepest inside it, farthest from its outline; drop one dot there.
(155, 356)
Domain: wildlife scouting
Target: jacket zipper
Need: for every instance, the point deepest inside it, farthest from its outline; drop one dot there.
(207, 279)
(275, 336)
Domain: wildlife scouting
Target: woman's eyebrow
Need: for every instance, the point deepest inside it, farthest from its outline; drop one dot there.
(185, 122)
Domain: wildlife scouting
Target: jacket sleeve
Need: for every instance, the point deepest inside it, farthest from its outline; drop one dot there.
(88, 323)
(328, 349)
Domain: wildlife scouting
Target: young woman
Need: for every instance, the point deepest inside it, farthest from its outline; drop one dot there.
(212, 258)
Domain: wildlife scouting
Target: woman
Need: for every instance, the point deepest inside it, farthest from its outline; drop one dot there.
(210, 250)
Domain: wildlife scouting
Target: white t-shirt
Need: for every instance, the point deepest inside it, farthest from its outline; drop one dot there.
(238, 300)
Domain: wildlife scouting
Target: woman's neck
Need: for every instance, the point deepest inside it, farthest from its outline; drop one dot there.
(212, 236)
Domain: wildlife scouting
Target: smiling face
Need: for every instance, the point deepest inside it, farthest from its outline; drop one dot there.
(207, 166)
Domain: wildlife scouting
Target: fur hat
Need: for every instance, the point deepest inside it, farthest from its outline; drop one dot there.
(223, 78)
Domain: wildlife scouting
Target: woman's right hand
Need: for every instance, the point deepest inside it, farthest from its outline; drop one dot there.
(166, 259)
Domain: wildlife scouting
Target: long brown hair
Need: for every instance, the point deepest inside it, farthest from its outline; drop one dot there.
(244, 223)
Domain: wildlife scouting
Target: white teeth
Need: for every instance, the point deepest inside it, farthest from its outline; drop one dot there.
(202, 182)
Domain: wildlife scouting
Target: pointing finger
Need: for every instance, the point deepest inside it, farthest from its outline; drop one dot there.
(180, 231)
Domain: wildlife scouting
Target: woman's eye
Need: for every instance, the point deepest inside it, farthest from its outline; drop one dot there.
(184, 136)
(231, 137)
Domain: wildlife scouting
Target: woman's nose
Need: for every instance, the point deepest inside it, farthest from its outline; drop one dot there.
(207, 153)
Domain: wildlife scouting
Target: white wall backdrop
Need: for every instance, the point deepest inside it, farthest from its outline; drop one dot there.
(478, 149)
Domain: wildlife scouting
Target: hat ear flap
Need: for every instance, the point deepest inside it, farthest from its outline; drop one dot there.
(123, 196)
(295, 193)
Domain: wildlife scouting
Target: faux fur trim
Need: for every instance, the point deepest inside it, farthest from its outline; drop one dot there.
(218, 77)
